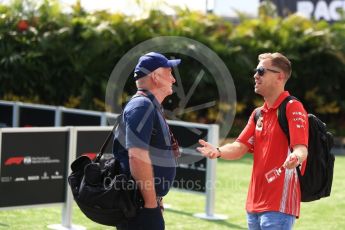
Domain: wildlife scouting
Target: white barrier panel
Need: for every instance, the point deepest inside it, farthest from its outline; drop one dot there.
(67, 206)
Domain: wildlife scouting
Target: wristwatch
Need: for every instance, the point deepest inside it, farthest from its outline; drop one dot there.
(220, 153)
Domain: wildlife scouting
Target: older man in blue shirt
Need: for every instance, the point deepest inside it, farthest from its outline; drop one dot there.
(143, 143)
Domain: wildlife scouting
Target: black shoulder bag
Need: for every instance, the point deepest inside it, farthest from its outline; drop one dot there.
(102, 193)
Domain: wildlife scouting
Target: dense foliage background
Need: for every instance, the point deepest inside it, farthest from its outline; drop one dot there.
(52, 57)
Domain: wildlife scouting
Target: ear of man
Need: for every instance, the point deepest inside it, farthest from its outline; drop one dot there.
(154, 78)
(282, 77)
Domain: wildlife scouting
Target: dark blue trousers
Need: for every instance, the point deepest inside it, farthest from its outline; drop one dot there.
(147, 219)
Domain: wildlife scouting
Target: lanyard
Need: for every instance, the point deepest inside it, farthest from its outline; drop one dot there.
(174, 144)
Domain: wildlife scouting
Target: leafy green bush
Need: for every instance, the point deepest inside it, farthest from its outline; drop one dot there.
(52, 57)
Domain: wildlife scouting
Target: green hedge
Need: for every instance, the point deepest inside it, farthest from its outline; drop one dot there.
(51, 57)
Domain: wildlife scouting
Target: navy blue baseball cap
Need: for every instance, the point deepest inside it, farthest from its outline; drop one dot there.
(152, 61)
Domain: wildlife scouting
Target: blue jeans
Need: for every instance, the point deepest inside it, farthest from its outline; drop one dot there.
(270, 221)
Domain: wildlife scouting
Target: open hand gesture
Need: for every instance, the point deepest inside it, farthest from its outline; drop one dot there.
(207, 150)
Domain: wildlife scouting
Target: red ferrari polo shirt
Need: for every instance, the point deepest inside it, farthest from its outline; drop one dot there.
(270, 147)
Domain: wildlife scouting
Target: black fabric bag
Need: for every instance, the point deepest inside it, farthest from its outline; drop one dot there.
(316, 182)
(103, 194)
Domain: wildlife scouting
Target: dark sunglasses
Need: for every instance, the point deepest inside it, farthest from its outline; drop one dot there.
(261, 71)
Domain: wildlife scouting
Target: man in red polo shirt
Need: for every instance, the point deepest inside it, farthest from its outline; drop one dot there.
(272, 205)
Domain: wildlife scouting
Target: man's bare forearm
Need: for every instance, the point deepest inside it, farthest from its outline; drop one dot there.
(233, 151)
(142, 172)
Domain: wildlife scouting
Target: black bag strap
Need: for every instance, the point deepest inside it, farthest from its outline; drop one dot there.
(257, 115)
(111, 133)
(282, 119)
(106, 142)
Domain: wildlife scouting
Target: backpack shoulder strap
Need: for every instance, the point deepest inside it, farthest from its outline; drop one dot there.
(257, 115)
(282, 119)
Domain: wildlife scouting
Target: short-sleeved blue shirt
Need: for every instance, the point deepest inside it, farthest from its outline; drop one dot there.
(143, 126)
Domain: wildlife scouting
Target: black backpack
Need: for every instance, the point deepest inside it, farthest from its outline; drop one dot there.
(317, 180)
